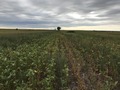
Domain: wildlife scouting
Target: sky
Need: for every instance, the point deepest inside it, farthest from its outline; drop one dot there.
(69, 14)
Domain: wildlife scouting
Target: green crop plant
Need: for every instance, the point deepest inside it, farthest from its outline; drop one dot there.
(51, 60)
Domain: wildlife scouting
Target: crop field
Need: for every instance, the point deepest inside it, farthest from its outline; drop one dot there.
(59, 60)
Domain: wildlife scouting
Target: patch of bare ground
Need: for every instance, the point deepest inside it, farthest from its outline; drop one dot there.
(76, 80)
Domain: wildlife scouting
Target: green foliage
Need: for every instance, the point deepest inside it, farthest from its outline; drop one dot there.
(100, 52)
(28, 62)
(44, 60)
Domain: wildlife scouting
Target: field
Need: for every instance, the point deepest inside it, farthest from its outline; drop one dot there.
(59, 60)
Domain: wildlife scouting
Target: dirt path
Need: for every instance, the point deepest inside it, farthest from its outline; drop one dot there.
(75, 66)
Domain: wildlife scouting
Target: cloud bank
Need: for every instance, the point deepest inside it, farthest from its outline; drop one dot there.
(52, 13)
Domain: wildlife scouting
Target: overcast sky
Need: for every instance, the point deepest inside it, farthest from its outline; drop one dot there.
(65, 13)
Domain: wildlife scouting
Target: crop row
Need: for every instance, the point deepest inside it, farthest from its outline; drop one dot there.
(35, 65)
(101, 60)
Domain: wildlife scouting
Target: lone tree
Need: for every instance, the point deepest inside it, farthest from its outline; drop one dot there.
(58, 28)
(16, 28)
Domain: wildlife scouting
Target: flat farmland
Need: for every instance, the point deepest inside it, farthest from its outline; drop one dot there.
(59, 60)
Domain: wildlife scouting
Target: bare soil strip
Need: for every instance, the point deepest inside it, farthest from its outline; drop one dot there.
(76, 80)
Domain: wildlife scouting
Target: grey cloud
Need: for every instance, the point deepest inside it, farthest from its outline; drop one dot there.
(50, 13)
(104, 4)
